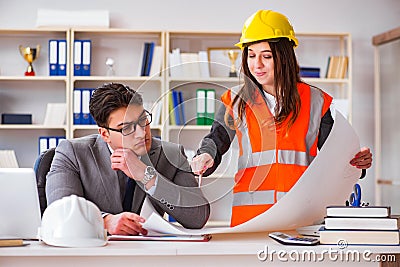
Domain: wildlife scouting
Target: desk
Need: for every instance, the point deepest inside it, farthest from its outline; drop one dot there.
(223, 250)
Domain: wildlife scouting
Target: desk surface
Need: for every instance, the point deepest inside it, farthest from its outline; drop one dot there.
(229, 247)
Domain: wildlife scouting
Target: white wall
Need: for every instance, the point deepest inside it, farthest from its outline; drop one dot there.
(362, 18)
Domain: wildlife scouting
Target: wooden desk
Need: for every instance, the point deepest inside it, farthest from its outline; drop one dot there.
(223, 250)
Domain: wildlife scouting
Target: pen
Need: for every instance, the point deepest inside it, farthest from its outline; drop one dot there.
(200, 177)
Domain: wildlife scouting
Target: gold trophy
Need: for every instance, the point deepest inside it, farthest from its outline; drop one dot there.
(29, 54)
(232, 57)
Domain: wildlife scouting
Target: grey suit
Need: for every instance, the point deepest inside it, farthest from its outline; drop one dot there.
(82, 166)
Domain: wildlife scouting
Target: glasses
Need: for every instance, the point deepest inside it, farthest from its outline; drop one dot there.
(130, 127)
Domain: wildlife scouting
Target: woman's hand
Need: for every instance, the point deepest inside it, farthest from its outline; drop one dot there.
(201, 163)
(363, 159)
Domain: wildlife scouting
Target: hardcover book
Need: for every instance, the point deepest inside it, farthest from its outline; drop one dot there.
(365, 223)
(359, 237)
(350, 211)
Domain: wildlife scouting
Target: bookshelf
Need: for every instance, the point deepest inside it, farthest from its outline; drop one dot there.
(314, 50)
(386, 79)
(124, 47)
(31, 94)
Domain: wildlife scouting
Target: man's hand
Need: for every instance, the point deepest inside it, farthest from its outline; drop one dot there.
(363, 159)
(126, 223)
(127, 161)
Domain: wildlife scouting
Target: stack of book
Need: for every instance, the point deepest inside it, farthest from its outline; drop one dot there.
(370, 225)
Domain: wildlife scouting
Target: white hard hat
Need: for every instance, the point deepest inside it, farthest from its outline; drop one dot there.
(72, 222)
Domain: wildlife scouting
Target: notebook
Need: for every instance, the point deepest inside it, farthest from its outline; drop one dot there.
(19, 203)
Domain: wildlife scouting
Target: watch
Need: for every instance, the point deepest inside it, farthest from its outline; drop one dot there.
(149, 174)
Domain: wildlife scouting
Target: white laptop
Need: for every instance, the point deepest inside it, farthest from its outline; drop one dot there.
(19, 203)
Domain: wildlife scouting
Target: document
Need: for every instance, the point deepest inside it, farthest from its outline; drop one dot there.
(160, 237)
(327, 181)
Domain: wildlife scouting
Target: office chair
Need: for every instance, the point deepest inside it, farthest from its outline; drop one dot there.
(42, 167)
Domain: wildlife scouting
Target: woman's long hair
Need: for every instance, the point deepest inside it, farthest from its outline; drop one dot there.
(286, 77)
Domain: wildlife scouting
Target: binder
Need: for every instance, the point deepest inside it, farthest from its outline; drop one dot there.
(172, 119)
(52, 141)
(92, 121)
(149, 58)
(156, 63)
(201, 106)
(77, 106)
(86, 57)
(175, 102)
(182, 107)
(144, 58)
(43, 144)
(53, 57)
(210, 106)
(62, 57)
(59, 139)
(77, 58)
(85, 106)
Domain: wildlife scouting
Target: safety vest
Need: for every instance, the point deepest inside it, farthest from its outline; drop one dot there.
(272, 158)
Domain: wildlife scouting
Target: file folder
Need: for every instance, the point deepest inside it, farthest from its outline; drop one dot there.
(201, 106)
(52, 142)
(59, 139)
(53, 57)
(172, 119)
(77, 106)
(62, 57)
(175, 103)
(149, 58)
(92, 121)
(86, 57)
(85, 106)
(210, 106)
(43, 144)
(145, 50)
(182, 108)
(77, 58)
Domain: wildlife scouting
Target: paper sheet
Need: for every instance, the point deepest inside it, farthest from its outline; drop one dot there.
(327, 181)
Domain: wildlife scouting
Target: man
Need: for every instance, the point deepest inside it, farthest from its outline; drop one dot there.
(119, 167)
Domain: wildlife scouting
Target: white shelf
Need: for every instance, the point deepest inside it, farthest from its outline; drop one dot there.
(116, 78)
(33, 78)
(30, 127)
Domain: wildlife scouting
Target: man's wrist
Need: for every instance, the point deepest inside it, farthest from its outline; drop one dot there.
(149, 174)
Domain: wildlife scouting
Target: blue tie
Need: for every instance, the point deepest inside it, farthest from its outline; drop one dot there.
(129, 188)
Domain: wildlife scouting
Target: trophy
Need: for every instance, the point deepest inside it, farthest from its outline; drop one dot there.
(232, 57)
(29, 54)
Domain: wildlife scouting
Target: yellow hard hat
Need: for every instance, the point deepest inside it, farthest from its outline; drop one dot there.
(264, 25)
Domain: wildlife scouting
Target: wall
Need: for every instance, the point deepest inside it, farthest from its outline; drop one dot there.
(362, 18)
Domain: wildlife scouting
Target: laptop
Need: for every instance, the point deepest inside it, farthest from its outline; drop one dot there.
(19, 203)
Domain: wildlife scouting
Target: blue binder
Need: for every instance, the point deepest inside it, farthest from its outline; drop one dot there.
(77, 58)
(62, 57)
(149, 58)
(144, 57)
(181, 107)
(85, 118)
(92, 121)
(175, 102)
(77, 106)
(53, 57)
(43, 144)
(86, 57)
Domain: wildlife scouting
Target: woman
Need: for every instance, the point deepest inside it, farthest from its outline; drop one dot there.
(279, 120)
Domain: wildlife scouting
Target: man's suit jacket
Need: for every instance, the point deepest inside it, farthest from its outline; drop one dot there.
(82, 166)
